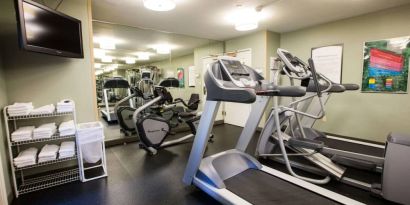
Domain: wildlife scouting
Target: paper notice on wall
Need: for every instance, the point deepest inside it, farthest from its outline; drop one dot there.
(328, 61)
(191, 76)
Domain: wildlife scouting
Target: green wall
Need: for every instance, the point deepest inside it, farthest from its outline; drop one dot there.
(256, 42)
(172, 64)
(40, 78)
(45, 79)
(3, 140)
(369, 116)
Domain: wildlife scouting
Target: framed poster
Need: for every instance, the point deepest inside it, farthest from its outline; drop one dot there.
(328, 61)
(181, 77)
(191, 76)
(386, 65)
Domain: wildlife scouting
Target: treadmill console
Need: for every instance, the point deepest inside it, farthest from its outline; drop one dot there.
(237, 72)
(293, 63)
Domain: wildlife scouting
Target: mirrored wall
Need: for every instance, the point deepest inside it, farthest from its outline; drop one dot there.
(127, 59)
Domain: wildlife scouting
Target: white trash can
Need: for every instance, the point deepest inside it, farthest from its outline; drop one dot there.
(91, 149)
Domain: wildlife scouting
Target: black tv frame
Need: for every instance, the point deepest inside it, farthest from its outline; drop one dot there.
(22, 31)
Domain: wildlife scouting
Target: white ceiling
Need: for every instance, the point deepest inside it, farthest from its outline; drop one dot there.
(207, 18)
(132, 40)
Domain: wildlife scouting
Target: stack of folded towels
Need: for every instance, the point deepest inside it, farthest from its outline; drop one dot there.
(67, 149)
(46, 109)
(47, 153)
(22, 134)
(67, 128)
(45, 131)
(19, 109)
(65, 106)
(26, 158)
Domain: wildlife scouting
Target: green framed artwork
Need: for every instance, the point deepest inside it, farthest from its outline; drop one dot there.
(386, 65)
(181, 77)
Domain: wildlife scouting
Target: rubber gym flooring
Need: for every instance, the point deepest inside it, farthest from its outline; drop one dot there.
(137, 178)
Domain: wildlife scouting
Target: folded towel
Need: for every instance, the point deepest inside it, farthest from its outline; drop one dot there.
(48, 152)
(46, 109)
(68, 146)
(67, 128)
(23, 133)
(65, 105)
(44, 131)
(67, 125)
(18, 109)
(67, 149)
(26, 157)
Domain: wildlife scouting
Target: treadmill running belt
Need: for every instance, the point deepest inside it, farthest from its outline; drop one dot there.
(258, 187)
(352, 147)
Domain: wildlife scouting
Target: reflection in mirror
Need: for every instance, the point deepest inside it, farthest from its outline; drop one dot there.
(131, 60)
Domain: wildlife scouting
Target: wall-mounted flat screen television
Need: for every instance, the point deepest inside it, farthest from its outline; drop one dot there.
(45, 30)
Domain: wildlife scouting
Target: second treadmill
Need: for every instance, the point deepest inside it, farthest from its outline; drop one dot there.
(232, 176)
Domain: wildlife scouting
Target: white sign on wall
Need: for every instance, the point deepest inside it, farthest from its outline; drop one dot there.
(191, 76)
(328, 61)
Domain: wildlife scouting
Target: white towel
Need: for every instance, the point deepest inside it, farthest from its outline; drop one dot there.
(67, 149)
(65, 105)
(48, 152)
(67, 146)
(18, 109)
(67, 128)
(22, 134)
(46, 109)
(45, 131)
(26, 157)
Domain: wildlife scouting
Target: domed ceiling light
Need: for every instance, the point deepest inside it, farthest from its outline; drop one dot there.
(159, 5)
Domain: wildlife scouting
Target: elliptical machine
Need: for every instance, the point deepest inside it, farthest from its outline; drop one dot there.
(167, 109)
(153, 129)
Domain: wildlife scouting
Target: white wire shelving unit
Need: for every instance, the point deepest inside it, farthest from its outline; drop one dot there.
(26, 183)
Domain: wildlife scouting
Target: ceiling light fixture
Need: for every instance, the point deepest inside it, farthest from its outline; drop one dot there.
(246, 19)
(114, 66)
(106, 42)
(159, 5)
(130, 60)
(143, 55)
(106, 59)
(163, 49)
(107, 45)
(99, 72)
(98, 53)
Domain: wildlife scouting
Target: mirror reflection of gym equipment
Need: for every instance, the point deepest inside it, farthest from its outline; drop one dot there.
(204, 102)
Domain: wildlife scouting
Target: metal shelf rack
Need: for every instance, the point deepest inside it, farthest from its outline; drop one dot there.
(46, 163)
(50, 180)
(25, 117)
(52, 138)
(25, 184)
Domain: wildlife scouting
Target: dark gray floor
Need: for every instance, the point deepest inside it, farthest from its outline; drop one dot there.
(137, 178)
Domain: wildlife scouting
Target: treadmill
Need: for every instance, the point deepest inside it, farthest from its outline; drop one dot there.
(114, 83)
(232, 176)
(348, 152)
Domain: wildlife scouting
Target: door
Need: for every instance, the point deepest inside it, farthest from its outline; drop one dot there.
(237, 113)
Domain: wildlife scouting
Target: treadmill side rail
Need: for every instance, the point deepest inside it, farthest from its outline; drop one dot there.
(200, 142)
(312, 187)
(257, 110)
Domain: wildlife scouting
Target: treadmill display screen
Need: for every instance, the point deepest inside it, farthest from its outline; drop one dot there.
(235, 67)
(288, 56)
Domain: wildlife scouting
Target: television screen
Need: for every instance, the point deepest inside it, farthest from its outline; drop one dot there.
(44, 30)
